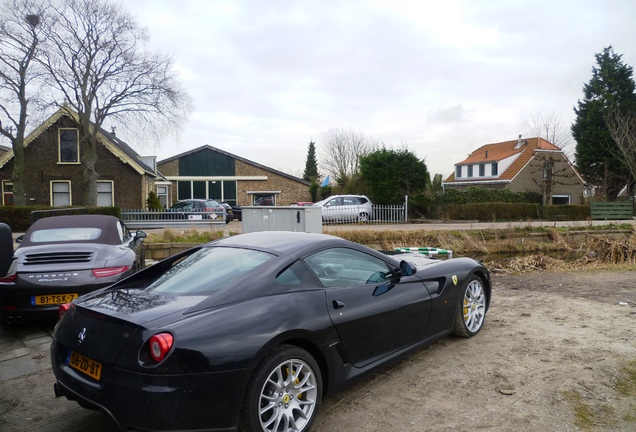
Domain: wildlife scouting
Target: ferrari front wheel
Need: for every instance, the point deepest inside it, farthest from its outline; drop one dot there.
(284, 393)
(471, 310)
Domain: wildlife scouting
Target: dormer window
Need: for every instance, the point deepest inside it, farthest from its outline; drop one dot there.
(494, 170)
(68, 146)
(470, 170)
(482, 170)
(458, 171)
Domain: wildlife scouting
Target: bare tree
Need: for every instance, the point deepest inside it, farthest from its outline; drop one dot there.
(621, 123)
(97, 58)
(551, 128)
(20, 38)
(341, 151)
(555, 169)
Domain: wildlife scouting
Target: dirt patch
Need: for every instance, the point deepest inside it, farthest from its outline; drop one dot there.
(552, 356)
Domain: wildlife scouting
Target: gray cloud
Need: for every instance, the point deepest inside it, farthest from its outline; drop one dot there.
(442, 77)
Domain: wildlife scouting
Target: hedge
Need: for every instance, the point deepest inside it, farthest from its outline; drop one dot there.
(500, 212)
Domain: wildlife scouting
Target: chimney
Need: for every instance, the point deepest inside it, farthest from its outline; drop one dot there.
(113, 129)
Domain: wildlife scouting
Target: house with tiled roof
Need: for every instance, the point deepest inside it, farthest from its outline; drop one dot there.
(532, 165)
(53, 169)
(4, 149)
(209, 172)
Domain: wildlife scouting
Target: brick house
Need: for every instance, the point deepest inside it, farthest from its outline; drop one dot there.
(532, 164)
(208, 172)
(53, 170)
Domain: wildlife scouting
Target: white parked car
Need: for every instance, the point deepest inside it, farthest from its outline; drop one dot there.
(346, 208)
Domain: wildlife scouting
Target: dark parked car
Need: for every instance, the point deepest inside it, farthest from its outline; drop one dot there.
(62, 257)
(199, 209)
(230, 212)
(254, 329)
(238, 212)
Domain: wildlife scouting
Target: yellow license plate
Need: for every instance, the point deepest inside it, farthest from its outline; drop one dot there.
(85, 365)
(52, 299)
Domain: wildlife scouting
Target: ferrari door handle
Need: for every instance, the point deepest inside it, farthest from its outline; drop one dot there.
(337, 304)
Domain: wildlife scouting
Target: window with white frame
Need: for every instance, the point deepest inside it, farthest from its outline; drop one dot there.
(60, 193)
(494, 169)
(105, 193)
(68, 146)
(561, 199)
(458, 171)
(470, 171)
(482, 170)
(7, 192)
(162, 193)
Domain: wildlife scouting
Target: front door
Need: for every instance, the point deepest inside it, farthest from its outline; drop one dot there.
(374, 317)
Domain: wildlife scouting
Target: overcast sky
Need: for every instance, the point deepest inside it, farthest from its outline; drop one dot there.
(441, 78)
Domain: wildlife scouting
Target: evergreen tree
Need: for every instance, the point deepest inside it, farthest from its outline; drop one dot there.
(311, 165)
(392, 174)
(612, 84)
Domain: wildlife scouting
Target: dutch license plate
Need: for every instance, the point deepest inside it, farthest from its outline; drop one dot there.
(85, 365)
(52, 299)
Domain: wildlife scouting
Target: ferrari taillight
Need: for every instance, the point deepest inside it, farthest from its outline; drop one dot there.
(109, 271)
(160, 345)
(63, 309)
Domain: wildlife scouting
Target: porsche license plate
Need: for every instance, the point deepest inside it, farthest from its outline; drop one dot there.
(85, 365)
(52, 299)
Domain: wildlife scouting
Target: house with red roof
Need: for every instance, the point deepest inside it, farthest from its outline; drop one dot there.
(521, 165)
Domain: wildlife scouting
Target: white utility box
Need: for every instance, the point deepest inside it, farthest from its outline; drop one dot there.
(282, 218)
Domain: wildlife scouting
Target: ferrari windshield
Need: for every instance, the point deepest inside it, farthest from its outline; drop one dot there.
(208, 270)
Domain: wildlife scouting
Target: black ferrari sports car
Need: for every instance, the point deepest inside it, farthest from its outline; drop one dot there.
(250, 332)
(62, 257)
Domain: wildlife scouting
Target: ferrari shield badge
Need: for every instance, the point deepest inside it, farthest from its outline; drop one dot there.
(454, 278)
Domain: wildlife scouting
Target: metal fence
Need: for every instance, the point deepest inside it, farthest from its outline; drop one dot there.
(378, 214)
(155, 219)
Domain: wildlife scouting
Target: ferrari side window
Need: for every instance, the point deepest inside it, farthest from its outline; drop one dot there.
(297, 275)
(342, 267)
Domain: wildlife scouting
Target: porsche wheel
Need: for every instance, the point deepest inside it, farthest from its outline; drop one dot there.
(471, 310)
(284, 393)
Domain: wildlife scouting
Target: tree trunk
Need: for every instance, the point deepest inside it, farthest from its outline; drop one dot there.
(88, 159)
(19, 194)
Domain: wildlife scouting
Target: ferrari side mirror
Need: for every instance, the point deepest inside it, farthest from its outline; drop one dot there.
(407, 268)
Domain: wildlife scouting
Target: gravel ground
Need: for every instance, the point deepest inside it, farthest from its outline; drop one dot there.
(548, 359)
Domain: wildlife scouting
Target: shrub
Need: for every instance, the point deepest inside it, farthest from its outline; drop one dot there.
(153, 202)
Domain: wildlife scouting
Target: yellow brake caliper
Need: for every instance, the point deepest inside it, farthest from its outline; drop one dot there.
(297, 381)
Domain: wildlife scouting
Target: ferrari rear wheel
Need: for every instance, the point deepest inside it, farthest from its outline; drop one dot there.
(284, 393)
(471, 310)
